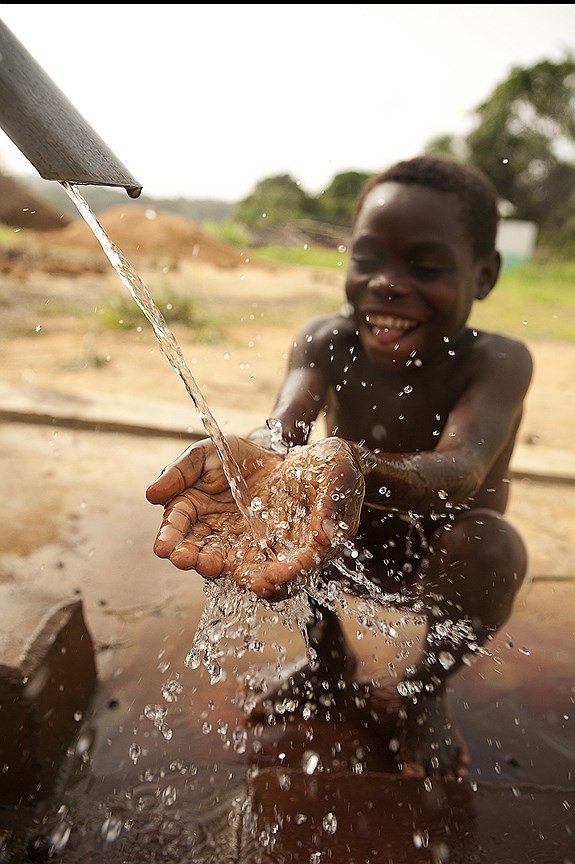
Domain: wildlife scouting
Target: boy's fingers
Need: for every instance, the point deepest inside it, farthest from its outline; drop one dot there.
(169, 484)
(179, 475)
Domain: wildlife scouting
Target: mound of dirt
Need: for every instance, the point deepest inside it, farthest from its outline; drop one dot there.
(144, 231)
(21, 208)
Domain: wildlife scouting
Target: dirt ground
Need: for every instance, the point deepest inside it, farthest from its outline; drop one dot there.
(52, 337)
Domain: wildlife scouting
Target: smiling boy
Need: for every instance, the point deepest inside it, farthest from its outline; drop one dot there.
(422, 414)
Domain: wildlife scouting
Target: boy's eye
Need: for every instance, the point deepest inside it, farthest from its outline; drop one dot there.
(426, 270)
(365, 261)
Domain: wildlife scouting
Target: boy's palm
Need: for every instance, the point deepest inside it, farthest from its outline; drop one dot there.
(305, 505)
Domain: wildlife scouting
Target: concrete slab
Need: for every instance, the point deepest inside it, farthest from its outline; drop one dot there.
(164, 768)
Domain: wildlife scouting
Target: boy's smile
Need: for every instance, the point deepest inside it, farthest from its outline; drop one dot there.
(388, 329)
(412, 275)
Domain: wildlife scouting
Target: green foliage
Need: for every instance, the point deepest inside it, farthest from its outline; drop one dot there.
(279, 200)
(525, 141)
(229, 231)
(275, 200)
(121, 312)
(446, 145)
(336, 204)
(6, 235)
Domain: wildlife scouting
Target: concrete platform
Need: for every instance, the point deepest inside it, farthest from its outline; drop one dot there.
(163, 767)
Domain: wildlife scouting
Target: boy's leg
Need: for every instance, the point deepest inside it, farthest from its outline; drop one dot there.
(327, 670)
(467, 586)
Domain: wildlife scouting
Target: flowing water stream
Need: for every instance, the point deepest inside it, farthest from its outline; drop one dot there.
(173, 354)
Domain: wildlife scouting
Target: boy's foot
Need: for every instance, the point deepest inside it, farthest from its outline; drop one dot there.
(428, 743)
(300, 688)
(419, 731)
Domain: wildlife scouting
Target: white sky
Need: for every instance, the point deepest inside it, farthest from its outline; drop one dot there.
(203, 101)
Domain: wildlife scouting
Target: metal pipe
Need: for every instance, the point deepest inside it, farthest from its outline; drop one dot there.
(47, 128)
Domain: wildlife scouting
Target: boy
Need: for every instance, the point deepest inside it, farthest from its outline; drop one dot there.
(422, 414)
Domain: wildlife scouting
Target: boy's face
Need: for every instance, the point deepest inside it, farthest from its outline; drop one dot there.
(412, 275)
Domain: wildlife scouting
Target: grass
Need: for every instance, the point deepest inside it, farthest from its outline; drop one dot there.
(533, 302)
(121, 312)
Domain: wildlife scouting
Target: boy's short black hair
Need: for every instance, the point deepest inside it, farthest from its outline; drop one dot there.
(476, 193)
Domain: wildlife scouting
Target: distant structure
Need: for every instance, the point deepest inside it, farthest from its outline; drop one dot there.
(516, 241)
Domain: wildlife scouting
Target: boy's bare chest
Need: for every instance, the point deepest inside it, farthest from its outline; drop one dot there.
(392, 412)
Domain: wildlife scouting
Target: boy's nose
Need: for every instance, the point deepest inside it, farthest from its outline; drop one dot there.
(388, 285)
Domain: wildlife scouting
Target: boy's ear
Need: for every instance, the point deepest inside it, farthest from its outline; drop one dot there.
(487, 275)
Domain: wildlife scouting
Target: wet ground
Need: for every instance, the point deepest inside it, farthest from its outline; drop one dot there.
(164, 768)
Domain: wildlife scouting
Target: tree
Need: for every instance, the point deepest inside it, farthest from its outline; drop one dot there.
(275, 201)
(335, 205)
(524, 141)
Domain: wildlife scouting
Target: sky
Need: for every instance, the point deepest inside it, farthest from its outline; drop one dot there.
(203, 101)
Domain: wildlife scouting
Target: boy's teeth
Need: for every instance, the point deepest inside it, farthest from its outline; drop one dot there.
(389, 322)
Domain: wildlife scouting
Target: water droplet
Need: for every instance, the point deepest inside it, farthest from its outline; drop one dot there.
(309, 761)
(440, 852)
(60, 835)
(111, 828)
(420, 839)
(171, 690)
(135, 752)
(169, 795)
(329, 823)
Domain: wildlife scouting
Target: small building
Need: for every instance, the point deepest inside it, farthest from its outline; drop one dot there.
(516, 241)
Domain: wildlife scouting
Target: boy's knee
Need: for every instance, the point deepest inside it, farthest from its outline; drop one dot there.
(480, 565)
(487, 544)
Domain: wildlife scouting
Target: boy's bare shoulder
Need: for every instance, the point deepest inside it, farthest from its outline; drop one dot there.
(499, 345)
(495, 352)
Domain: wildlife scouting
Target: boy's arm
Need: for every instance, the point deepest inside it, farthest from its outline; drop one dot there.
(480, 429)
(301, 396)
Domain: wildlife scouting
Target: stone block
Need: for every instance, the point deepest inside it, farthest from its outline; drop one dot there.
(47, 678)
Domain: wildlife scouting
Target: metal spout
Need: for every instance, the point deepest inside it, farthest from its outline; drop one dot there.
(46, 127)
